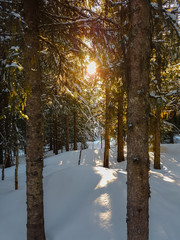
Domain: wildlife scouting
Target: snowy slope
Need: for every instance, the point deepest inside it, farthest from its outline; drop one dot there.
(88, 201)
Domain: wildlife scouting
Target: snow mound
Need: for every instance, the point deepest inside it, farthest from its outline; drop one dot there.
(89, 201)
(84, 204)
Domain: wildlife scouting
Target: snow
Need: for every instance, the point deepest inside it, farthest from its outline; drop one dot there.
(15, 65)
(89, 201)
(16, 15)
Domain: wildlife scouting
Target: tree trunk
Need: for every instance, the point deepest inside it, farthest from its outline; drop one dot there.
(157, 135)
(16, 169)
(55, 136)
(107, 123)
(67, 132)
(1, 128)
(34, 126)
(54, 144)
(171, 137)
(75, 131)
(157, 140)
(137, 121)
(8, 160)
(51, 139)
(1, 152)
(79, 161)
(101, 141)
(2, 95)
(4, 164)
(59, 137)
(8, 122)
(120, 141)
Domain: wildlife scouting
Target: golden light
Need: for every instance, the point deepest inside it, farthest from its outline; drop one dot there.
(91, 68)
(107, 176)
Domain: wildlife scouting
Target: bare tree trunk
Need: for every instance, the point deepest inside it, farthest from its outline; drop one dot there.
(79, 161)
(8, 121)
(157, 136)
(120, 141)
(34, 126)
(171, 137)
(101, 140)
(17, 165)
(67, 132)
(107, 146)
(4, 164)
(1, 153)
(51, 139)
(2, 57)
(75, 131)
(59, 137)
(55, 136)
(157, 139)
(137, 121)
(1, 128)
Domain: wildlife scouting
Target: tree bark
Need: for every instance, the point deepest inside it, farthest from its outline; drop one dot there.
(34, 126)
(157, 140)
(157, 135)
(59, 137)
(75, 131)
(1, 152)
(50, 138)
(55, 136)
(101, 140)
(4, 164)
(107, 125)
(17, 165)
(1, 127)
(120, 141)
(79, 161)
(137, 121)
(171, 137)
(67, 132)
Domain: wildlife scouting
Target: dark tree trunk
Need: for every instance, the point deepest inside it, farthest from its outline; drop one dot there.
(8, 121)
(101, 141)
(54, 144)
(75, 131)
(59, 137)
(120, 141)
(8, 159)
(1, 128)
(107, 125)
(2, 98)
(50, 139)
(17, 165)
(137, 121)
(1, 153)
(4, 164)
(157, 140)
(34, 126)
(171, 137)
(79, 161)
(157, 135)
(67, 132)
(55, 136)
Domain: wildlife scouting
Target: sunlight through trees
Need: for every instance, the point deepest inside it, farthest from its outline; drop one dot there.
(75, 71)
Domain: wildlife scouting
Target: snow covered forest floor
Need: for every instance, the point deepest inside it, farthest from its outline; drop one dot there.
(89, 201)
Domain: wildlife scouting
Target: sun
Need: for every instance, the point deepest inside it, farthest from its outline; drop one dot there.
(91, 68)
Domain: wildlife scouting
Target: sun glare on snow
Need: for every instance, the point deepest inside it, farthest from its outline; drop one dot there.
(91, 68)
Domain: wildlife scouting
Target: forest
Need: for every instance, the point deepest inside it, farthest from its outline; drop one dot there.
(89, 89)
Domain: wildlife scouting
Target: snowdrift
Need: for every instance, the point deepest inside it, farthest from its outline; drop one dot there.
(89, 201)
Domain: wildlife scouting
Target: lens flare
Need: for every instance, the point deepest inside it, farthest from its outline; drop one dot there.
(91, 68)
